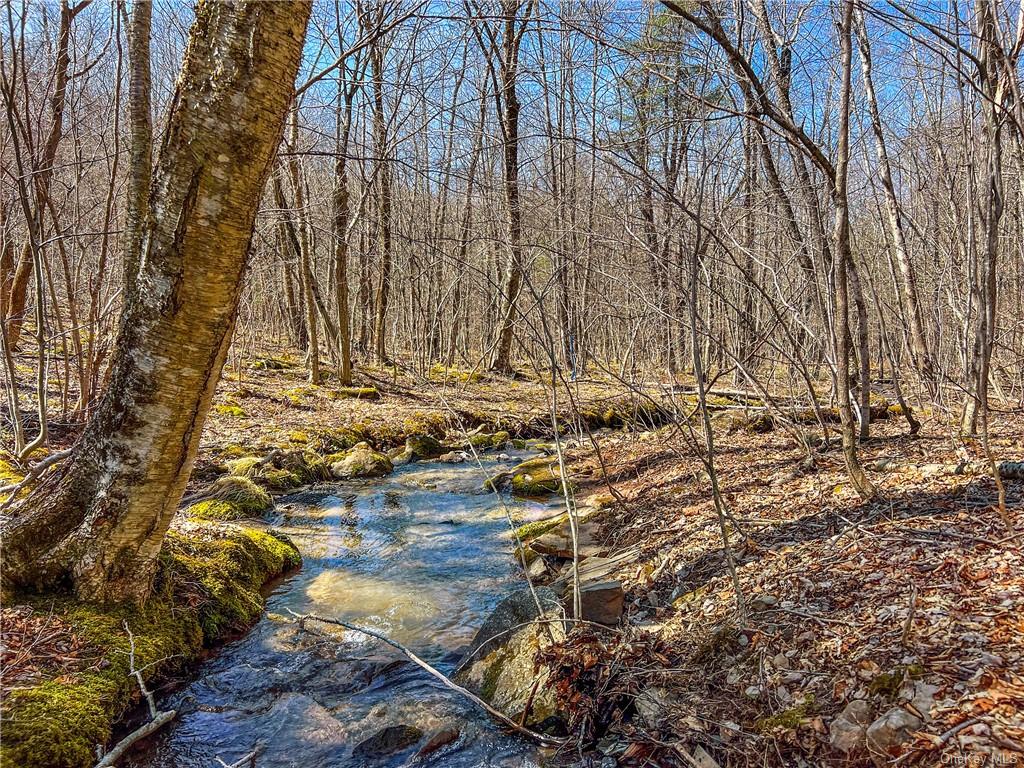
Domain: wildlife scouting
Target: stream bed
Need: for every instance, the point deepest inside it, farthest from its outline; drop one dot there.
(422, 556)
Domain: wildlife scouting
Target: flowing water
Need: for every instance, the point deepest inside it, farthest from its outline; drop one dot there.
(421, 556)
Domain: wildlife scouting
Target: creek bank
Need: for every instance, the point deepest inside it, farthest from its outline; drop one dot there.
(207, 590)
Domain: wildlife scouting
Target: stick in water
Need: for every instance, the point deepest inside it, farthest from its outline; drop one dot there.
(540, 738)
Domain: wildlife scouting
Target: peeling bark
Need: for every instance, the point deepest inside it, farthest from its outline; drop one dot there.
(98, 525)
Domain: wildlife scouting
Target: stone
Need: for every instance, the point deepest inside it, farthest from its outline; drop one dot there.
(500, 666)
(537, 569)
(362, 461)
(387, 741)
(423, 447)
(653, 706)
(780, 661)
(888, 732)
(439, 739)
(600, 601)
(558, 542)
(453, 457)
(847, 732)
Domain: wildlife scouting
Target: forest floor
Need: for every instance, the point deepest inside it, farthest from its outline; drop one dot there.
(911, 604)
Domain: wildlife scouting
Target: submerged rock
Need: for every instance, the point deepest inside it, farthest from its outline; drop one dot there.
(440, 739)
(361, 461)
(500, 666)
(388, 740)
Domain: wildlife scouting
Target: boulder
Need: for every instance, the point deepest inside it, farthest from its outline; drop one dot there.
(888, 732)
(387, 741)
(423, 448)
(361, 461)
(500, 666)
(439, 739)
(848, 731)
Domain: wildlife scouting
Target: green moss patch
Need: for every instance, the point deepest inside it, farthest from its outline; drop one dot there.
(354, 393)
(207, 589)
(537, 477)
(229, 410)
(248, 497)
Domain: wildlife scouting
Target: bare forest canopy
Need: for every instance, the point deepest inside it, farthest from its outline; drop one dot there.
(795, 198)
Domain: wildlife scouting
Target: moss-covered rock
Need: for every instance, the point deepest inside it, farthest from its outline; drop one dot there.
(423, 447)
(354, 393)
(207, 588)
(271, 364)
(537, 477)
(360, 461)
(485, 440)
(329, 441)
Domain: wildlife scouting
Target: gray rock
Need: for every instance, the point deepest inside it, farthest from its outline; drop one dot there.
(847, 732)
(653, 706)
(362, 461)
(500, 666)
(889, 731)
(420, 447)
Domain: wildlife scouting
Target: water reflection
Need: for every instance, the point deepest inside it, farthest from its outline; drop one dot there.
(423, 556)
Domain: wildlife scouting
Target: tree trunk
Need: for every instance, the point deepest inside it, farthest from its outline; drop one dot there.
(141, 128)
(98, 524)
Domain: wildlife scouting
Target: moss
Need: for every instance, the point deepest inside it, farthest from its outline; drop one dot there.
(207, 586)
(280, 479)
(439, 372)
(216, 509)
(356, 393)
(888, 684)
(242, 492)
(485, 440)
(361, 461)
(271, 364)
(418, 447)
(532, 530)
(298, 437)
(536, 477)
(229, 410)
(333, 440)
(233, 451)
(227, 573)
(788, 719)
(9, 475)
(245, 466)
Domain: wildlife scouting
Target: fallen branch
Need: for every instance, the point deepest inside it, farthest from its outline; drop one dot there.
(539, 738)
(157, 719)
(111, 758)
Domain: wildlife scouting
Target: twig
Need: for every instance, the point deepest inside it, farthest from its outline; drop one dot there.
(111, 758)
(37, 469)
(540, 738)
(909, 623)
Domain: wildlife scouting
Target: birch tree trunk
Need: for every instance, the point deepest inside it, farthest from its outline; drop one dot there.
(98, 524)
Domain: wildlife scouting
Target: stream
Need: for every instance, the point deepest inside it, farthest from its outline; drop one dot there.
(422, 556)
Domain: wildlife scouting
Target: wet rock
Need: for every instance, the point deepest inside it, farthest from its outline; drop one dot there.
(387, 741)
(888, 732)
(500, 666)
(453, 457)
(441, 738)
(361, 461)
(537, 569)
(848, 731)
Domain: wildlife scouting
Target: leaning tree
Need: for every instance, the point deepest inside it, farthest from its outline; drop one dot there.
(97, 523)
